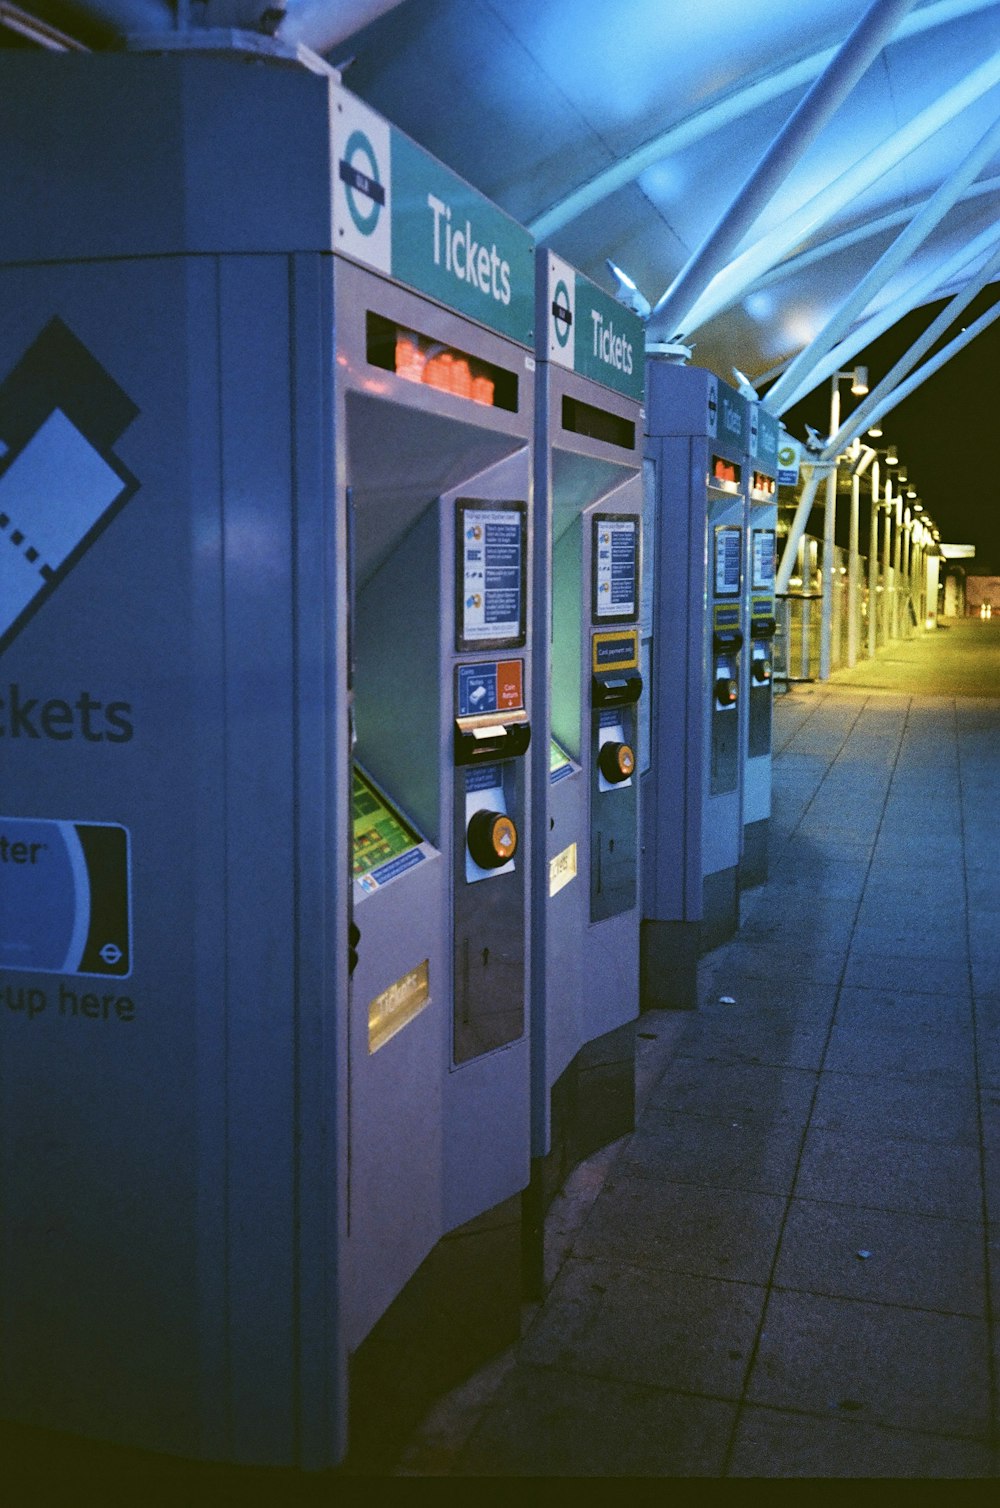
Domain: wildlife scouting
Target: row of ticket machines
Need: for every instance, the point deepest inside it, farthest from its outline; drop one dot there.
(386, 721)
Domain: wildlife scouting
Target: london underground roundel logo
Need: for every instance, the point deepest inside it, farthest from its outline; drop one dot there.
(560, 311)
(362, 184)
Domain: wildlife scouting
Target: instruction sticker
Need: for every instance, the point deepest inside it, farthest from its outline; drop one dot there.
(728, 552)
(492, 575)
(65, 897)
(616, 567)
(763, 559)
(494, 686)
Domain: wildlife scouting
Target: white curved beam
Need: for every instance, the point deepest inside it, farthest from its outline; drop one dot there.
(892, 260)
(919, 292)
(848, 238)
(814, 109)
(733, 107)
(731, 284)
(872, 407)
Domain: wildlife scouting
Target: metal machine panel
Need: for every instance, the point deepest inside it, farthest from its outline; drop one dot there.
(693, 791)
(588, 482)
(158, 1154)
(759, 617)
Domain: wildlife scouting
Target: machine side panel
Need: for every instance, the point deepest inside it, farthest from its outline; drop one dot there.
(673, 834)
(106, 1266)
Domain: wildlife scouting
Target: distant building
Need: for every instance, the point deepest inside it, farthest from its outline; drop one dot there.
(981, 592)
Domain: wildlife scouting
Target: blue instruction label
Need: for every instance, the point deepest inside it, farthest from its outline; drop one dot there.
(486, 778)
(398, 866)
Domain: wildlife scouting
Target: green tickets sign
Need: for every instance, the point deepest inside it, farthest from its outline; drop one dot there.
(398, 210)
(764, 436)
(732, 416)
(591, 333)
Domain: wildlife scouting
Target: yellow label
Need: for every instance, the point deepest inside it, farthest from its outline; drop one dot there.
(562, 869)
(389, 1012)
(615, 651)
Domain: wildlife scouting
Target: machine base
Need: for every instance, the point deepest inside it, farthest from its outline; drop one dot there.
(669, 951)
(462, 1306)
(593, 1103)
(668, 965)
(720, 908)
(753, 860)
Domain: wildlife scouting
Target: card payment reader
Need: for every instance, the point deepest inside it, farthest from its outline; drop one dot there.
(694, 634)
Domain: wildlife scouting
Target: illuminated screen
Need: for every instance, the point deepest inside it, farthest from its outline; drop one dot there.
(419, 358)
(558, 758)
(380, 834)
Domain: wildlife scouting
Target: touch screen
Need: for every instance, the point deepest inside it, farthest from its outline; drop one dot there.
(380, 834)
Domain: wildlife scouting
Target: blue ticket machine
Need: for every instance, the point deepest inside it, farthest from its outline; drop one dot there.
(588, 501)
(759, 617)
(694, 638)
(265, 430)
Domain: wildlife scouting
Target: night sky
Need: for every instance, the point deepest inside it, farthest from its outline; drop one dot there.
(944, 431)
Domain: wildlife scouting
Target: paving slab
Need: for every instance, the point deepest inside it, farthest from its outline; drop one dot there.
(684, 1228)
(557, 1423)
(774, 1443)
(908, 1110)
(889, 1009)
(920, 976)
(721, 1154)
(892, 1053)
(733, 1091)
(912, 1260)
(888, 1365)
(920, 1178)
(607, 1319)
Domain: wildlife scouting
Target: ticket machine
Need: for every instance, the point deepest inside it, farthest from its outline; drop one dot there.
(588, 498)
(265, 490)
(694, 636)
(758, 615)
(434, 392)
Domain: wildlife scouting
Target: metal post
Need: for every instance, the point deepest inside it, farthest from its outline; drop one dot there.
(805, 576)
(829, 535)
(873, 563)
(797, 529)
(852, 566)
(897, 569)
(886, 567)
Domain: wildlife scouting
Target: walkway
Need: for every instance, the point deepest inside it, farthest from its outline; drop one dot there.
(785, 1270)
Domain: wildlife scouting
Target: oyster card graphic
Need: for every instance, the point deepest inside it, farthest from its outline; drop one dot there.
(60, 481)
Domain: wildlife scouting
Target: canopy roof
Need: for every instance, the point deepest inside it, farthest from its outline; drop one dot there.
(626, 132)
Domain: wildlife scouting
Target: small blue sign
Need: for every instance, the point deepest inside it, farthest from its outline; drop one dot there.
(398, 866)
(477, 689)
(64, 897)
(486, 778)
